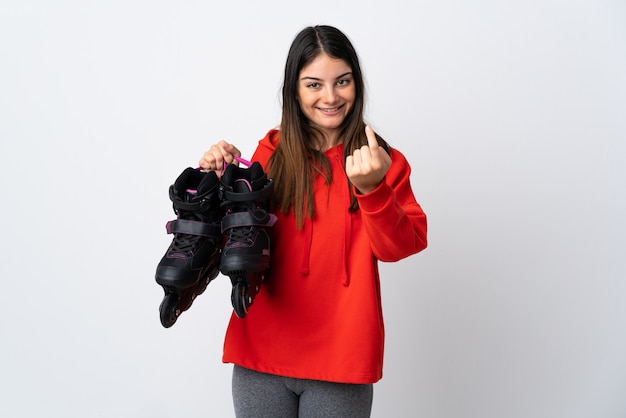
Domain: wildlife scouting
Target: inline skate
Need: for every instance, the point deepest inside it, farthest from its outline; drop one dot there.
(245, 194)
(192, 259)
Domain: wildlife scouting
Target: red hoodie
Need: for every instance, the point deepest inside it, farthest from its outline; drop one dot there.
(319, 314)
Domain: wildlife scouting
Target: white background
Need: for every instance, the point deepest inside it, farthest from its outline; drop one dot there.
(512, 114)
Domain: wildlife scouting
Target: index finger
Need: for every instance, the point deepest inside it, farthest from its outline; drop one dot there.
(371, 137)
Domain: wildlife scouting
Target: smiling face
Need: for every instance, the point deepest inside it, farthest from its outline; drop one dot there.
(326, 94)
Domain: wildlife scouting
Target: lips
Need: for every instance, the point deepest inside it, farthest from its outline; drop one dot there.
(330, 111)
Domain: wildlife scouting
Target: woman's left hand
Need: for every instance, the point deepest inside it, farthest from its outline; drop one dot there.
(366, 167)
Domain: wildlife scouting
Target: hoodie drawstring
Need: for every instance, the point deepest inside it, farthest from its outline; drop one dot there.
(306, 253)
(346, 239)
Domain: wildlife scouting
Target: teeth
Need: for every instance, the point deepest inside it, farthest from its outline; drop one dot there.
(329, 110)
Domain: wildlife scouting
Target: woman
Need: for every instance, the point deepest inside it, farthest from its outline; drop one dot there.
(312, 343)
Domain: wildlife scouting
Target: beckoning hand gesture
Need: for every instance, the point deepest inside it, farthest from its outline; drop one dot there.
(366, 167)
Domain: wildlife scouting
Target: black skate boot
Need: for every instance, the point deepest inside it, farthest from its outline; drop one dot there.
(245, 195)
(192, 259)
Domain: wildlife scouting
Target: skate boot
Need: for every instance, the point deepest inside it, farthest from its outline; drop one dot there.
(245, 194)
(192, 259)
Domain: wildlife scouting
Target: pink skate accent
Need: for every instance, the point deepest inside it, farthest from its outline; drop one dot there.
(243, 161)
(191, 191)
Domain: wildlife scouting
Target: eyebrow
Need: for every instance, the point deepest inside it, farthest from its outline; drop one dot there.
(319, 79)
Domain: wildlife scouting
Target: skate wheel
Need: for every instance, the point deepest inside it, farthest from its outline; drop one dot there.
(169, 315)
(240, 299)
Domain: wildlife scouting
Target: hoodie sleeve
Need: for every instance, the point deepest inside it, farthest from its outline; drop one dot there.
(394, 221)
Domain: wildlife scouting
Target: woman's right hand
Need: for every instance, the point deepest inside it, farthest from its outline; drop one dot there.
(218, 155)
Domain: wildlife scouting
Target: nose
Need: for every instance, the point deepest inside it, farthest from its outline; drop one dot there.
(330, 95)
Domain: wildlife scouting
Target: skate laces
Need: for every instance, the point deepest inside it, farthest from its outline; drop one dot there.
(184, 245)
(240, 236)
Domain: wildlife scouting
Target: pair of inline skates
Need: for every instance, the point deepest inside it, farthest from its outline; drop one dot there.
(222, 226)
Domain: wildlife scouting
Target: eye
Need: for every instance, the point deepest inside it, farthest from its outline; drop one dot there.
(313, 85)
(343, 82)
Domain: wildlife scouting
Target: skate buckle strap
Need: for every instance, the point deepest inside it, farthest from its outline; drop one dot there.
(263, 194)
(200, 204)
(248, 218)
(184, 226)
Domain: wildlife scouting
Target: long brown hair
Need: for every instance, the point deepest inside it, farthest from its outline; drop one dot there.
(297, 161)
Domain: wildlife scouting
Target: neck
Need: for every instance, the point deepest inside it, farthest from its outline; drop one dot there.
(327, 140)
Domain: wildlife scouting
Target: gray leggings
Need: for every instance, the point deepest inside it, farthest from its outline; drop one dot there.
(262, 395)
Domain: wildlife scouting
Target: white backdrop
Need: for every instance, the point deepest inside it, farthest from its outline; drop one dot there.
(512, 114)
